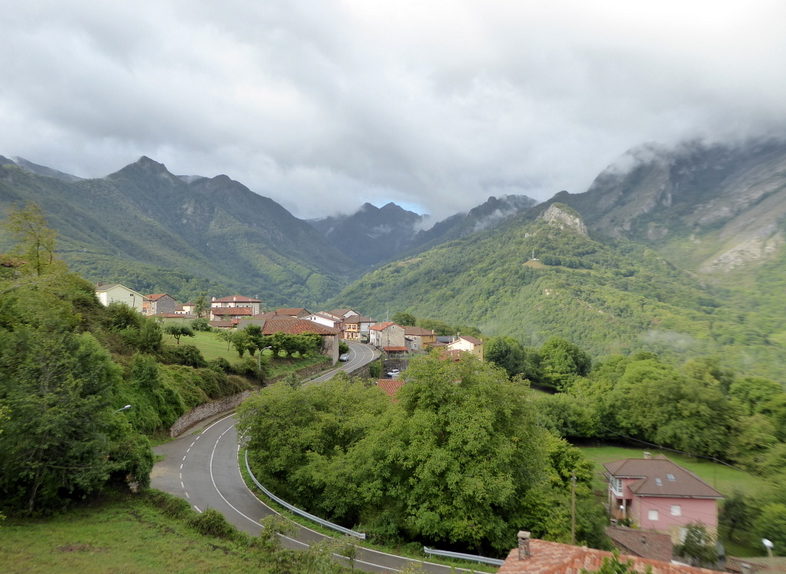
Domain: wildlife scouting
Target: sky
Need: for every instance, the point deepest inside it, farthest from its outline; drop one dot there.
(323, 105)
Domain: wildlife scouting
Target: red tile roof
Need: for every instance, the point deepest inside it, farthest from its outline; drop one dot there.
(390, 386)
(661, 477)
(293, 311)
(236, 299)
(555, 558)
(418, 332)
(644, 543)
(473, 340)
(157, 296)
(395, 349)
(232, 311)
(293, 326)
(381, 326)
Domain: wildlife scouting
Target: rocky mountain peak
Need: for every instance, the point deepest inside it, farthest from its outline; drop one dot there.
(562, 216)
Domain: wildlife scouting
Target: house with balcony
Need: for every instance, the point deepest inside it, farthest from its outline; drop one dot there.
(356, 328)
(659, 495)
(236, 301)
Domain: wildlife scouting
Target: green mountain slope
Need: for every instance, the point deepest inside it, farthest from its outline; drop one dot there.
(157, 232)
(608, 297)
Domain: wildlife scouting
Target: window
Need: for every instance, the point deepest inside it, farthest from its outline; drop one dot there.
(616, 484)
(676, 510)
(652, 515)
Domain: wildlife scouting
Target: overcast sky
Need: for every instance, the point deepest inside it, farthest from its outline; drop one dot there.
(323, 105)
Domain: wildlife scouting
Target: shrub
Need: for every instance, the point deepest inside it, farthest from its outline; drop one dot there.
(187, 355)
(170, 505)
(212, 523)
(201, 324)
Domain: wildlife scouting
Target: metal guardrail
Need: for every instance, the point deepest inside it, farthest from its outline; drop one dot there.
(462, 556)
(298, 511)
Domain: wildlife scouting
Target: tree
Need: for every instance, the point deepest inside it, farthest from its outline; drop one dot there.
(457, 454)
(57, 445)
(697, 546)
(771, 524)
(241, 341)
(655, 402)
(178, 331)
(735, 514)
(404, 319)
(505, 352)
(562, 362)
(35, 240)
(201, 305)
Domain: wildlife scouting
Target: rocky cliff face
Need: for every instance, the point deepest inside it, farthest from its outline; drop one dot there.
(728, 202)
(564, 217)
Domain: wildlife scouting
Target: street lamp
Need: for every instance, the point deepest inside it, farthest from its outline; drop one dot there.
(125, 408)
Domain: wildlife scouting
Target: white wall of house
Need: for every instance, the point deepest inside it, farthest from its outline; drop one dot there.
(120, 294)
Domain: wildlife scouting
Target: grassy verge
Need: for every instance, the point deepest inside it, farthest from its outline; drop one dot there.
(120, 533)
(212, 348)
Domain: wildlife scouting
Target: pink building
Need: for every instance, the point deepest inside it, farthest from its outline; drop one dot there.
(656, 494)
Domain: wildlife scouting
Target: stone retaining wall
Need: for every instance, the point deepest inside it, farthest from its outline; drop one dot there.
(205, 411)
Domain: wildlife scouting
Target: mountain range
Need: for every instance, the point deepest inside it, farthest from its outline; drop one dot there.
(676, 250)
(157, 232)
(184, 235)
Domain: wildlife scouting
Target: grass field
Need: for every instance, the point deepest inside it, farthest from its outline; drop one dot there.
(125, 534)
(212, 348)
(721, 477)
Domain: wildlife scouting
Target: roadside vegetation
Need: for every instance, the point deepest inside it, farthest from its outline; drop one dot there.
(459, 461)
(149, 533)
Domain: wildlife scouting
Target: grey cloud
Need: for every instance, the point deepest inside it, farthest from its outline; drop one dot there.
(323, 106)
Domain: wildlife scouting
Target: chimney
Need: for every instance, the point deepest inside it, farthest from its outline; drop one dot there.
(524, 551)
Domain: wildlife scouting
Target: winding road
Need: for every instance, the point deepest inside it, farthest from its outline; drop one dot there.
(202, 467)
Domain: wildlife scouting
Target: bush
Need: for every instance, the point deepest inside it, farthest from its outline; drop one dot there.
(220, 364)
(187, 355)
(201, 324)
(212, 523)
(170, 505)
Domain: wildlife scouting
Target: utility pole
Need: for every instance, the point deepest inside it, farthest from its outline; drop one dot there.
(573, 508)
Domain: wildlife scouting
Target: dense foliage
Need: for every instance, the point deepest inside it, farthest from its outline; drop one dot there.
(531, 280)
(458, 461)
(157, 233)
(697, 408)
(67, 366)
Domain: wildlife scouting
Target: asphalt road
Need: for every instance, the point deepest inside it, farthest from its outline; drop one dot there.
(359, 355)
(202, 467)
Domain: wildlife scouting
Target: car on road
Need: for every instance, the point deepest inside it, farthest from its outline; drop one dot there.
(344, 357)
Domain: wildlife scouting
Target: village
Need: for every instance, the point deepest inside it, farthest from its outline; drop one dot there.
(653, 503)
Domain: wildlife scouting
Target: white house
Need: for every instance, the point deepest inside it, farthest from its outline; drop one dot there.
(116, 293)
(467, 344)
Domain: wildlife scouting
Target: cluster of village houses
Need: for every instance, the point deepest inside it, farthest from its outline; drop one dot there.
(658, 496)
(238, 311)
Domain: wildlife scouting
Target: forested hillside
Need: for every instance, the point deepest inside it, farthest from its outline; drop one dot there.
(536, 278)
(157, 232)
(68, 367)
